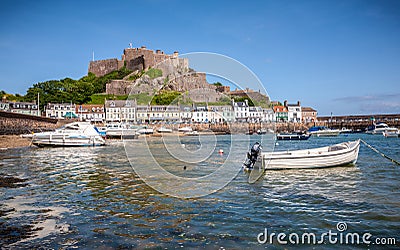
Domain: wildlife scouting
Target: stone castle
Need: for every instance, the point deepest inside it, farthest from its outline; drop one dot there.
(176, 75)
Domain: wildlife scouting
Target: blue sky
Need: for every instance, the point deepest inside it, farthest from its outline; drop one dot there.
(335, 56)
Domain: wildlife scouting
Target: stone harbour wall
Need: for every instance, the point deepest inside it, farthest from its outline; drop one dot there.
(15, 124)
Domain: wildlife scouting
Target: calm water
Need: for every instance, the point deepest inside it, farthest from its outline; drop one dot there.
(91, 197)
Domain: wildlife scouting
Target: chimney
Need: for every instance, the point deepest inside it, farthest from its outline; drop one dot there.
(176, 53)
(285, 103)
(247, 102)
(298, 103)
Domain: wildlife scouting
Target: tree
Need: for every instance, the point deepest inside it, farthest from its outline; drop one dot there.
(218, 84)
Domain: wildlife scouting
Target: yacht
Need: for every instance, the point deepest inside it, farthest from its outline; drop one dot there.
(72, 134)
(379, 129)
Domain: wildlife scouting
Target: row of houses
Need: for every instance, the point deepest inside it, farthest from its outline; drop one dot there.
(129, 111)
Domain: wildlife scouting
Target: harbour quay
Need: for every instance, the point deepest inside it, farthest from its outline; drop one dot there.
(358, 122)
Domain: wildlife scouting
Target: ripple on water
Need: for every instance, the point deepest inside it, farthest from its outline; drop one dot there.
(91, 197)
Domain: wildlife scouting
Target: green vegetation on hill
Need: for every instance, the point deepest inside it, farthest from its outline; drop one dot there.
(100, 98)
(11, 97)
(69, 90)
(167, 98)
(218, 84)
(154, 73)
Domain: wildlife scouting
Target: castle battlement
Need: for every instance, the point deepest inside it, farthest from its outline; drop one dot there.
(136, 59)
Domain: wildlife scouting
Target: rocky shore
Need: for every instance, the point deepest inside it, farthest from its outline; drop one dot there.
(13, 141)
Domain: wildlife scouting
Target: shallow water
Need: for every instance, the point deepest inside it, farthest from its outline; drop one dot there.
(91, 197)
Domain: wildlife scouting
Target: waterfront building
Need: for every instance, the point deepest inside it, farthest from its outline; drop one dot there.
(120, 111)
(91, 112)
(185, 114)
(241, 110)
(60, 110)
(201, 114)
(294, 111)
(268, 115)
(4, 106)
(222, 114)
(168, 114)
(142, 114)
(27, 108)
(255, 114)
(308, 114)
(281, 113)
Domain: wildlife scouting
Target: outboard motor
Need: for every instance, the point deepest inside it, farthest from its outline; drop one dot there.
(252, 155)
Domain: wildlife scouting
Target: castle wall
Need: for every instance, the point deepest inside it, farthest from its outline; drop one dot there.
(103, 67)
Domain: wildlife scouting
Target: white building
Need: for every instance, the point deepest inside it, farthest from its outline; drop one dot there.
(222, 114)
(294, 112)
(91, 112)
(201, 114)
(142, 113)
(241, 110)
(120, 111)
(255, 114)
(60, 110)
(185, 114)
(27, 108)
(268, 115)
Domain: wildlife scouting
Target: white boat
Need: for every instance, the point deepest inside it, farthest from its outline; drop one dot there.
(389, 134)
(378, 129)
(262, 131)
(72, 134)
(330, 156)
(292, 136)
(164, 130)
(192, 133)
(121, 131)
(321, 131)
(345, 130)
(101, 130)
(185, 129)
(145, 131)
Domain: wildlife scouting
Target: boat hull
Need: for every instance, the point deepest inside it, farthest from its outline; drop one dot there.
(61, 141)
(312, 158)
(325, 133)
(292, 137)
(122, 134)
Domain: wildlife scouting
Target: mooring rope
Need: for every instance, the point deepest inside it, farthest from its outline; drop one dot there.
(382, 154)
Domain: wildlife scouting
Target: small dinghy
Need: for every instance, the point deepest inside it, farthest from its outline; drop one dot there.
(330, 156)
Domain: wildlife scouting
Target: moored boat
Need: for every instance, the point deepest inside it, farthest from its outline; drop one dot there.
(145, 131)
(192, 133)
(321, 131)
(164, 130)
(292, 136)
(378, 129)
(390, 134)
(185, 129)
(72, 134)
(329, 156)
(121, 131)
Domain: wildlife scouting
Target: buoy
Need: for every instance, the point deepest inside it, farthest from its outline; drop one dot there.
(221, 151)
